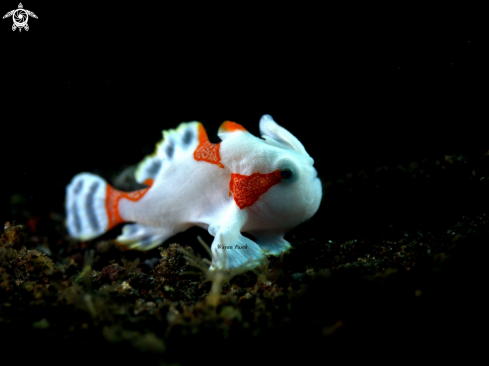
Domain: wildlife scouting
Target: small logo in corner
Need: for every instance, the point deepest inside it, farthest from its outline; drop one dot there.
(20, 17)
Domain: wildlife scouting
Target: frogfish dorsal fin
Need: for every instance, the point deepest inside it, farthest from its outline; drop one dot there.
(176, 144)
(229, 128)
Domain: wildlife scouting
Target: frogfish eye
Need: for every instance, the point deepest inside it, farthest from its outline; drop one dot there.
(286, 173)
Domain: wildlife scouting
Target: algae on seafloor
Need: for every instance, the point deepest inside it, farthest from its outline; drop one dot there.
(401, 264)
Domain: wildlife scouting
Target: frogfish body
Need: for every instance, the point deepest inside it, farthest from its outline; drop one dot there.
(244, 184)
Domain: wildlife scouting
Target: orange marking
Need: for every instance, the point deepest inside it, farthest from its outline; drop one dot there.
(206, 151)
(229, 126)
(248, 188)
(112, 201)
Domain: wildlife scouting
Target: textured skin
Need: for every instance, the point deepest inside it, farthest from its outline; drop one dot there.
(236, 186)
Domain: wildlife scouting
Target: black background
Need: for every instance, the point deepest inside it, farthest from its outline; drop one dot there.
(90, 86)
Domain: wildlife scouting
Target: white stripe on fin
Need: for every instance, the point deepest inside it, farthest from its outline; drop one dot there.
(86, 215)
(141, 237)
(176, 143)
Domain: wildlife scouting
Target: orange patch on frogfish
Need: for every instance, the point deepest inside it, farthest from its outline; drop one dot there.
(207, 151)
(112, 198)
(230, 126)
(247, 189)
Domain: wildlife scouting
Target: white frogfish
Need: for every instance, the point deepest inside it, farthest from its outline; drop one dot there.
(260, 186)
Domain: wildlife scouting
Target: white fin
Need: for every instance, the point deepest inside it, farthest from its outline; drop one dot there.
(85, 206)
(231, 250)
(241, 253)
(141, 237)
(176, 143)
(273, 244)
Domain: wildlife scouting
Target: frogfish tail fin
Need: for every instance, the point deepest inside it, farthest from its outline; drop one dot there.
(89, 211)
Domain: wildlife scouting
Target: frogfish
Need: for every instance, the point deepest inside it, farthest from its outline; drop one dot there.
(263, 187)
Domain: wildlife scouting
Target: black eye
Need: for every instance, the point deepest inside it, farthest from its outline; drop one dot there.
(286, 173)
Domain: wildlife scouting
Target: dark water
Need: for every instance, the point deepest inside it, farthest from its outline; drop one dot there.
(90, 87)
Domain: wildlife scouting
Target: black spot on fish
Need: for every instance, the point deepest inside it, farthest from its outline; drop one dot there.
(90, 207)
(170, 149)
(78, 187)
(154, 168)
(76, 217)
(187, 137)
